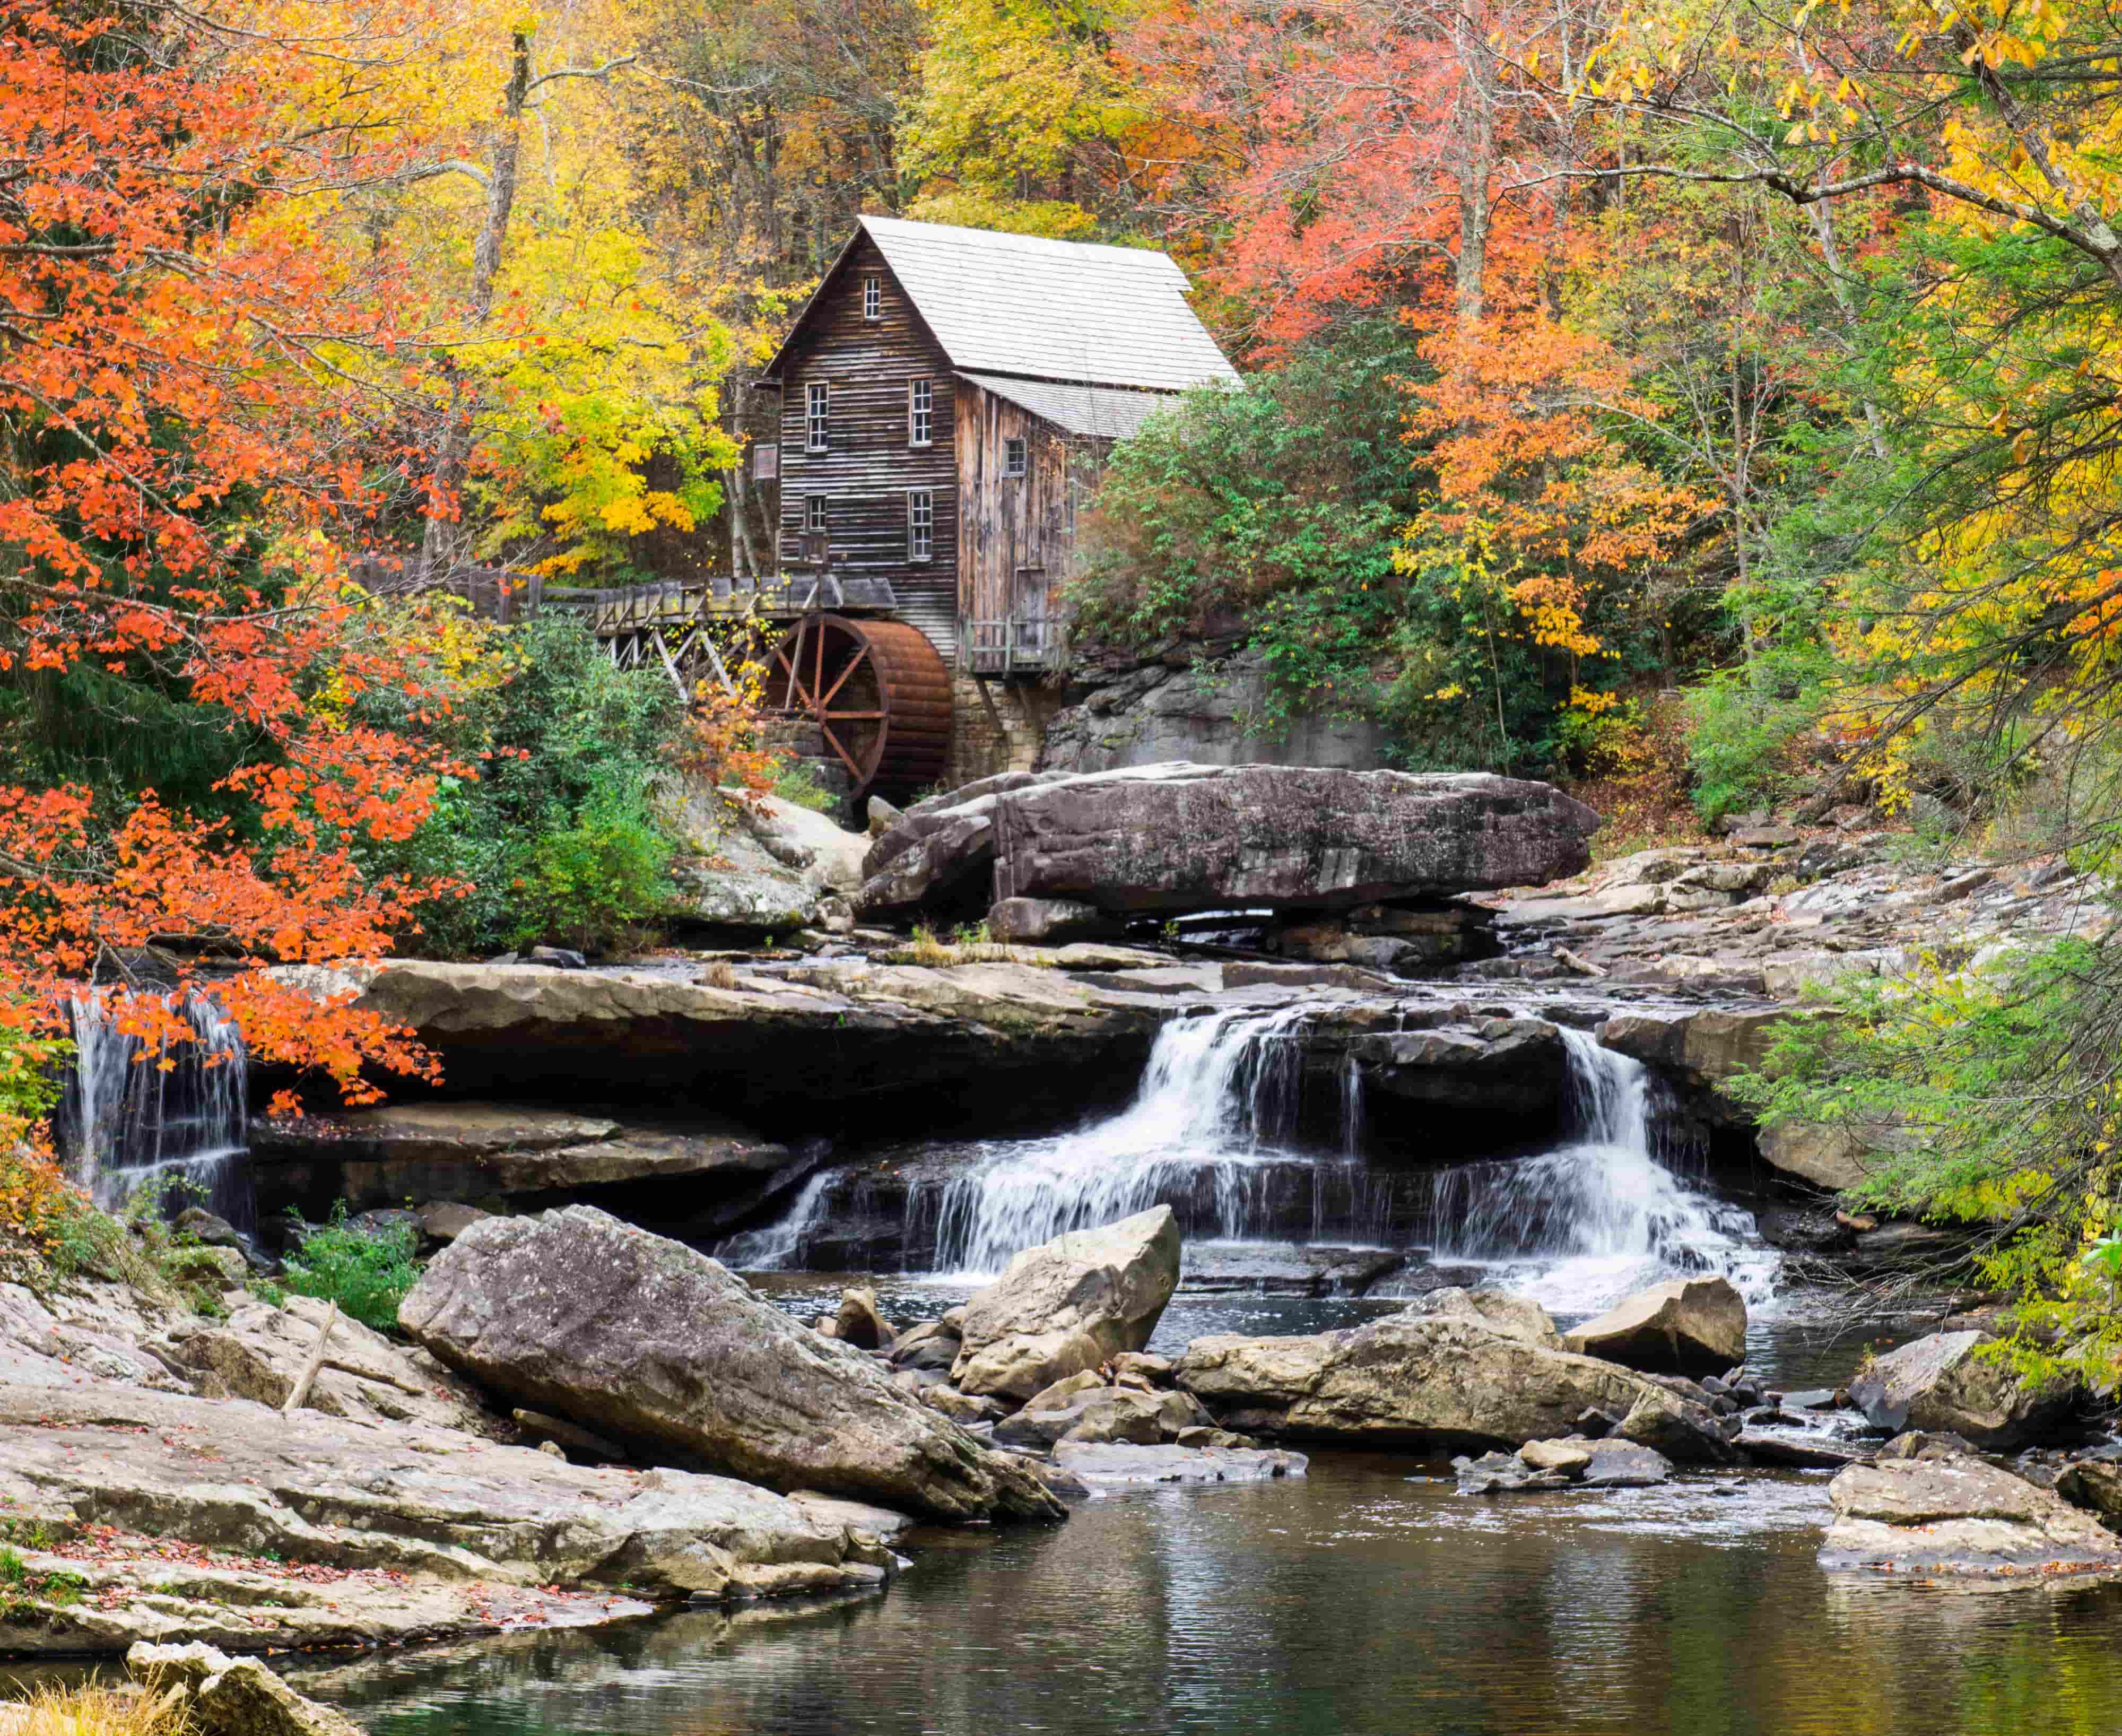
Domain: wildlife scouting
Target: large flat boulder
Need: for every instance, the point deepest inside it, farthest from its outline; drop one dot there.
(832, 1032)
(1942, 1384)
(473, 1150)
(1958, 1514)
(1069, 1304)
(1685, 1325)
(1180, 836)
(1446, 1379)
(145, 1515)
(638, 1337)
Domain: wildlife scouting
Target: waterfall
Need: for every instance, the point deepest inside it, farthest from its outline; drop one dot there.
(1351, 1106)
(130, 1117)
(1207, 1135)
(1582, 1225)
(1211, 1133)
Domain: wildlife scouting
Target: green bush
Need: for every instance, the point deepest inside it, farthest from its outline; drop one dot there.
(1745, 726)
(558, 839)
(794, 781)
(367, 1272)
(590, 882)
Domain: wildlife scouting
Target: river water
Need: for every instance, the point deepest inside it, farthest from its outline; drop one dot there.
(1353, 1602)
(1367, 1597)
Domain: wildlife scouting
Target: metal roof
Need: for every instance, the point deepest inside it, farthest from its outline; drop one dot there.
(1024, 305)
(1115, 413)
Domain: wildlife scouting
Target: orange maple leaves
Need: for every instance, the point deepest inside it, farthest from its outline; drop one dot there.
(166, 329)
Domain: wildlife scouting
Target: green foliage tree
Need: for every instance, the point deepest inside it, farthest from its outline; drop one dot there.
(560, 839)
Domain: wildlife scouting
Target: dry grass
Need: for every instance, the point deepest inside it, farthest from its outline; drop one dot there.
(94, 1710)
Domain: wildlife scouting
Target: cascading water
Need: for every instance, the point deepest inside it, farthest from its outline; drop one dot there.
(1581, 1226)
(131, 1117)
(1207, 1135)
(1210, 1132)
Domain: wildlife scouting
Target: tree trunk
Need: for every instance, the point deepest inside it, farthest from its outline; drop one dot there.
(442, 543)
(1476, 126)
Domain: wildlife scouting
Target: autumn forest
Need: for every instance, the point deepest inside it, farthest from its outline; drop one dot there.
(1707, 405)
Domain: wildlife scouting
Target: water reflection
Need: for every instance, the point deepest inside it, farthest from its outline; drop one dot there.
(1355, 1601)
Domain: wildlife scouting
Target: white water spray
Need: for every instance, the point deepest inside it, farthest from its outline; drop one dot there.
(1581, 1226)
(1204, 1135)
(132, 1117)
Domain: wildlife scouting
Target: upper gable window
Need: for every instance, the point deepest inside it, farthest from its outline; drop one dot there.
(1012, 457)
(872, 298)
(817, 416)
(920, 412)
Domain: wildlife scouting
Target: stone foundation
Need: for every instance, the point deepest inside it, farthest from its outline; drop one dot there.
(1002, 732)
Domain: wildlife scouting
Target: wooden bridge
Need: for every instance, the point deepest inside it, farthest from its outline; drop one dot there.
(875, 689)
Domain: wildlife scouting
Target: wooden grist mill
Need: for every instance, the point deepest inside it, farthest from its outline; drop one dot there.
(877, 692)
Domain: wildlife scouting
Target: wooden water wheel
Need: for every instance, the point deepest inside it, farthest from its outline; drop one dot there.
(878, 691)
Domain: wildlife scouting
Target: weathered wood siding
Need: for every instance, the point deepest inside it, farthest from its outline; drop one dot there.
(1016, 534)
(869, 466)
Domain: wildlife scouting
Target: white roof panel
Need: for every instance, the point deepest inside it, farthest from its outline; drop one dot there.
(1022, 304)
(1113, 412)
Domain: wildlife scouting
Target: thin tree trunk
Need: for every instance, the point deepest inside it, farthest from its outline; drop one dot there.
(442, 541)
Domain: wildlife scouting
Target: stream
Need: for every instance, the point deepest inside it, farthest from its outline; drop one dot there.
(1364, 1598)
(1368, 1597)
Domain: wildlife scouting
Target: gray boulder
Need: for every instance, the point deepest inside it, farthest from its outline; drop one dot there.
(1117, 1466)
(646, 1339)
(474, 1150)
(228, 1696)
(1447, 1380)
(1068, 1305)
(1941, 1384)
(1959, 1515)
(1515, 1316)
(1684, 1326)
(1180, 836)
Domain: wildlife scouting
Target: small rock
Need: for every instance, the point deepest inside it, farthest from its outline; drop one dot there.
(1503, 1473)
(1683, 1324)
(860, 1322)
(1570, 1458)
(247, 1698)
(560, 958)
(963, 1407)
(1064, 1392)
(552, 1449)
(1917, 1443)
(927, 1346)
(1624, 1465)
(445, 1220)
(1945, 1384)
(1156, 1370)
(1212, 1438)
(558, 1430)
(202, 1226)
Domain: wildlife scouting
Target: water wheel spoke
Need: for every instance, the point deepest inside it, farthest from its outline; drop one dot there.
(832, 742)
(790, 658)
(855, 662)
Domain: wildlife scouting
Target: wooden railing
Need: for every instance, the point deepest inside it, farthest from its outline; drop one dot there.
(500, 594)
(1017, 645)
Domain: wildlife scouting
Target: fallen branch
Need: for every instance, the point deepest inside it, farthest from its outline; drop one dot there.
(308, 1378)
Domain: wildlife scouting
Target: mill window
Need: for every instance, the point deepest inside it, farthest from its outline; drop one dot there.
(872, 299)
(920, 412)
(1012, 457)
(920, 525)
(817, 416)
(814, 512)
